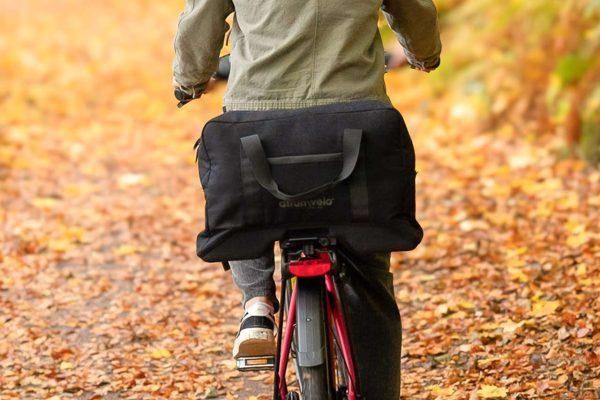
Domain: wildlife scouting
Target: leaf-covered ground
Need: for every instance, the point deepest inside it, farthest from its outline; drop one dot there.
(101, 295)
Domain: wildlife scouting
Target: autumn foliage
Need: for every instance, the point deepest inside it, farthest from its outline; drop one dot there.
(101, 296)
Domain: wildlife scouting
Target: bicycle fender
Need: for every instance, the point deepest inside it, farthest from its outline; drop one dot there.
(310, 325)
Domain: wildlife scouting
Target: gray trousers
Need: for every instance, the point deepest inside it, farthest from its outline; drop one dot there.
(371, 313)
(255, 278)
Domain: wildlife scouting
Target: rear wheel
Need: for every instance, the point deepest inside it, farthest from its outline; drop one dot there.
(310, 344)
(292, 396)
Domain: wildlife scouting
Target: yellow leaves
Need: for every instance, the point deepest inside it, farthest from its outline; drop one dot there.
(514, 266)
(6, 156)
(518, 275)
(492, 392)
(442, 309)
(466, 305)
(511, 327)
(60, 245)
(79, 189)
(569, 202)
(437, 390)
(463, 111)
(485, 363)
(546, 186)
(577, 233)
(131, 179)
(454, 307)
(67, 238)
(543, 308)
(515, 263)
(229, 364)
(577, 240)
(45, 203)
(489, 326)
(74, 234)
(66, 365)
(581, 270)
(159, 353)
(128, 249)
(154, 388)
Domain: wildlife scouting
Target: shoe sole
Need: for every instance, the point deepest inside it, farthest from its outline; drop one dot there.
(254, 342)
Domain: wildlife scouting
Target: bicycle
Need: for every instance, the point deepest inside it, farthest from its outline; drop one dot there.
(315, 334)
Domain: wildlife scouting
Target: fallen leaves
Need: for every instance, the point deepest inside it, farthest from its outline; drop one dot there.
(492, 392)
(101, 295)
(542, 308)
(158, 354)
(131, 179)
(127, 249)
(441, 391)
(45, 202)
(66, 365)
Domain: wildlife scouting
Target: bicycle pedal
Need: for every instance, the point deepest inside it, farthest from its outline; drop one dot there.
(259, 363)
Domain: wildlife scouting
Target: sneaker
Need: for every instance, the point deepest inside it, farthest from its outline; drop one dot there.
(256, 337)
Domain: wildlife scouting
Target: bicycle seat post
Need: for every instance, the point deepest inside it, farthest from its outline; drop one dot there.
(308, 249)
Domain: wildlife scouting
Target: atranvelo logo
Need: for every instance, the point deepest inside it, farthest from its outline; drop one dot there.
(312, 204)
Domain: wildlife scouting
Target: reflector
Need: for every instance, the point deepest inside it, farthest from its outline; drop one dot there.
(311, 267)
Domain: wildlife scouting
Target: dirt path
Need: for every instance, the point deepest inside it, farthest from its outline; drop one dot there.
(101, 295)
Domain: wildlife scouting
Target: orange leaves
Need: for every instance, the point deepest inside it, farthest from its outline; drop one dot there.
(101, 295)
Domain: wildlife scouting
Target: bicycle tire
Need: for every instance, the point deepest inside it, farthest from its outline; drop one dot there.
(314, 381)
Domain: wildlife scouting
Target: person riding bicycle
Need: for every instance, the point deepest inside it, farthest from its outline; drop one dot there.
(289, 54)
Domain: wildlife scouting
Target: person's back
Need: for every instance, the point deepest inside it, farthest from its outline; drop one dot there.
(298, 53)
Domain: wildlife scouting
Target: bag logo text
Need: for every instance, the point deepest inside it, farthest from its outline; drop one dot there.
(312, 204)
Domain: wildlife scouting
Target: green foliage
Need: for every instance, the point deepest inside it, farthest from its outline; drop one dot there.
(590, 139)
(571, 67)
(533, 63)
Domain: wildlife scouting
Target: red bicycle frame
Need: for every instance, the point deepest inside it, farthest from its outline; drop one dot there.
(314, 268)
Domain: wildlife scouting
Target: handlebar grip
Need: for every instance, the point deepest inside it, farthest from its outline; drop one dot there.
(387, 58)
(183, 97)
(223, 69)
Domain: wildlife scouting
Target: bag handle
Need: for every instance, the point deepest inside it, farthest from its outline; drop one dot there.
(262, 170)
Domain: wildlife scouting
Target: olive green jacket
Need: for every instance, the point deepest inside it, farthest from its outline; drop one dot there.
(300, 53)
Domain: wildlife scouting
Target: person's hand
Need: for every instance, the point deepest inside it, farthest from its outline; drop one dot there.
(185, 94)
(427, 69)
(397, 59)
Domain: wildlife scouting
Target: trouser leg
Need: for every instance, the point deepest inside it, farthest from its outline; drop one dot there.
(255, 277)
(373, 323)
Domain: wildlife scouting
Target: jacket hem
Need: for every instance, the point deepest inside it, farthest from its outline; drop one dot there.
(262, 105)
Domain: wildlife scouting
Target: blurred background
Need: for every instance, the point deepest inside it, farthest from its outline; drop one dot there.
(530, 65)
(100, 290)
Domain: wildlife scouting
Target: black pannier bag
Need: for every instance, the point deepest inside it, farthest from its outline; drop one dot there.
(346, 169)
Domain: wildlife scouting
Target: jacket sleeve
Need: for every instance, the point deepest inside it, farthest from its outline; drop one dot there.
(416, 26)
(199, 40)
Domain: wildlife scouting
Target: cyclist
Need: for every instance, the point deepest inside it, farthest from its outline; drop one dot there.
(288, 54)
